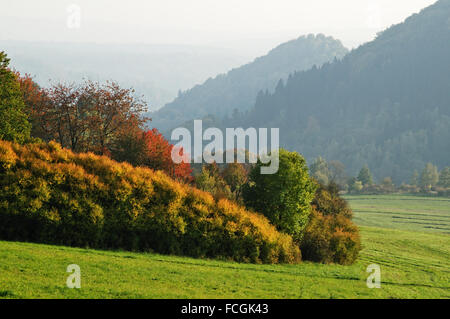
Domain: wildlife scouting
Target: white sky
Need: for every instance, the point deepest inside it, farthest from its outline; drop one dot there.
(251, 26)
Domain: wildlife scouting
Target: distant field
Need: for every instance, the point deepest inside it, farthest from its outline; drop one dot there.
(414, 264)
(402, 212)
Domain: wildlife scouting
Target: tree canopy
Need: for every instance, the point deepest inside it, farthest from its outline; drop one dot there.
(285, 197)
(14, 125)
(365, 176)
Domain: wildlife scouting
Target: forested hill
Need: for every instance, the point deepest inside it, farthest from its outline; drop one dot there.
(238, 88)
(386, 104)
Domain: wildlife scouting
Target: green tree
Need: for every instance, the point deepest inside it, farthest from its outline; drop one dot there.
(235, 176)
(444, 177)
(354, 186)
(320, 171)
(210, 180)
(387, 185)
(429, 177)
(415, 178)
(14, 125)
(285, 197)
(365, 176)
(337, 174)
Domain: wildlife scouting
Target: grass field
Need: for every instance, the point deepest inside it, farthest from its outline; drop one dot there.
(413, 252)
(405, 212)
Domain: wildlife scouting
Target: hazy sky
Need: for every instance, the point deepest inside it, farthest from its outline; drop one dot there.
(251, 26)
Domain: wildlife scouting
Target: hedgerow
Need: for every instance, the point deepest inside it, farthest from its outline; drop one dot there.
(51, 195)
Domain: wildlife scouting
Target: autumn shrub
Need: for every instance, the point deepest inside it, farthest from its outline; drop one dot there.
(152, 150)
(210, 180)
(331, 236)
(328, 201)
(51, 195)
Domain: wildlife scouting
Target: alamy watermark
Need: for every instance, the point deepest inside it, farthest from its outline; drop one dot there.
(235, 139)
(74, 279)
(73, 16)
(374, 279)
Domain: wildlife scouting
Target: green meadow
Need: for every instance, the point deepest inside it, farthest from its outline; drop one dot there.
(406, 212)
(407, 236)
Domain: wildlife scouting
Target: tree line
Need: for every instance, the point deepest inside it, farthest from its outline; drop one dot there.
(428, 181)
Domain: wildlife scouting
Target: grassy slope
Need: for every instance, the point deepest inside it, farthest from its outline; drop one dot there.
(413, 264)
(402, 212)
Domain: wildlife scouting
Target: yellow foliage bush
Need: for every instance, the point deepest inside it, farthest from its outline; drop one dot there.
(52, 195)
(330, 236)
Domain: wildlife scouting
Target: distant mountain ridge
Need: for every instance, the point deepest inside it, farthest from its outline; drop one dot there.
(385, 104)
(238, 88)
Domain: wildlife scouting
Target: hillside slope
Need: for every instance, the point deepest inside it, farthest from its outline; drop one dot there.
(51, 195)
(386, 104)
(412, 266)
(238, 88)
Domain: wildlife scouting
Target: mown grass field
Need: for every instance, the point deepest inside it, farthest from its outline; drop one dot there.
(413, 252)
(405, 212)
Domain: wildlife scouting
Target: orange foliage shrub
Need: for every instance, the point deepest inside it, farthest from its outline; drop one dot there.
(331, 239)
(331, 236)
(151, 149)
(52, 195)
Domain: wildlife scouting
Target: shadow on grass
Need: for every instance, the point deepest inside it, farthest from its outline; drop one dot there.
(6, 294)
(254, 269)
